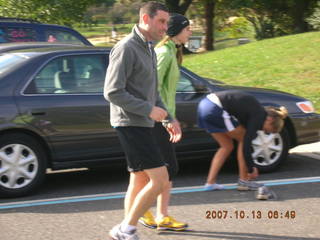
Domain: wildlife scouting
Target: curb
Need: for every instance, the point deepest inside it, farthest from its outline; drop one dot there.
(311, 150)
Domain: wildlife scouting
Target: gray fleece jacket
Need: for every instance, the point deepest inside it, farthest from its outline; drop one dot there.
(131, 82)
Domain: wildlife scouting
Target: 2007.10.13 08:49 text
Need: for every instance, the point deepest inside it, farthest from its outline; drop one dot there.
(254, 214)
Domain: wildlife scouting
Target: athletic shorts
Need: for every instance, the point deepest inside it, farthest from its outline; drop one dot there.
(213, 118)
(167, 149)
(147, 148)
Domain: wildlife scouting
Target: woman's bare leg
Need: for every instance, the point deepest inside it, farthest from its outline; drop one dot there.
(238, 134)
(226, 147)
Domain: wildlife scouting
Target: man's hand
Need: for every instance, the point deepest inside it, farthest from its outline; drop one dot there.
(158, 114)
(174, 130)
(254, 174)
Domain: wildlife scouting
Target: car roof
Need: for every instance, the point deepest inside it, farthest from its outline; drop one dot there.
(11, 19)
(7, 47)
(41, 27)
(44, 47)
(30, 22)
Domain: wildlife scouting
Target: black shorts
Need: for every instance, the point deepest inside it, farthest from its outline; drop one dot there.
(167, 149)
(147, 148)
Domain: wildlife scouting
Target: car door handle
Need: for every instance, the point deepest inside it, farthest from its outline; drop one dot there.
(38, 113)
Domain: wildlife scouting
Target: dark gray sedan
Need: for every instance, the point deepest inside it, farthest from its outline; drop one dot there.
(53, 115)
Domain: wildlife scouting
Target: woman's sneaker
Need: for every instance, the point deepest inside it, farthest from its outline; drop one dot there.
(212, 187)
(147, 220)
(248, 185)
(264, 193)
(117, 234)
(169, 223)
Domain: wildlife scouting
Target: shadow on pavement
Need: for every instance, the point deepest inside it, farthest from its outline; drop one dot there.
(232, 235)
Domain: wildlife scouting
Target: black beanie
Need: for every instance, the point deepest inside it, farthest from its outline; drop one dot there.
(176, 23)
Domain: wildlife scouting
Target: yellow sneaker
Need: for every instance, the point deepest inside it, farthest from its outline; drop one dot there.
(169, 223)
(147, 220)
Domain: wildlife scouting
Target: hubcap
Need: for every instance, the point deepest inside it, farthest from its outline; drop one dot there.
(267, 148)
(18, 166)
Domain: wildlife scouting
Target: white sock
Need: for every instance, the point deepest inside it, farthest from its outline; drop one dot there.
(215, 186)
(126, 228)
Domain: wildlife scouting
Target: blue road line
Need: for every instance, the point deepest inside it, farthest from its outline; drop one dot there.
(121, 195)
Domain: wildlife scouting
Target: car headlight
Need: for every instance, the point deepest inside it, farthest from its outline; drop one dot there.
(306, 107)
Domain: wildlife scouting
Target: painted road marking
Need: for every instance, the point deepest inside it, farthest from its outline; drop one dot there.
(120, 195)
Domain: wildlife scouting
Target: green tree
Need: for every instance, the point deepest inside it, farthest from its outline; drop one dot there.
(314, 19)
(177, 6)
(275, 17)
(65, 12)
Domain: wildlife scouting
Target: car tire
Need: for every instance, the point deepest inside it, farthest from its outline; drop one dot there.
(269, 151)
(22, 165)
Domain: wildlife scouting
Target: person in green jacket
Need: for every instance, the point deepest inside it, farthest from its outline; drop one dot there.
(169, 57)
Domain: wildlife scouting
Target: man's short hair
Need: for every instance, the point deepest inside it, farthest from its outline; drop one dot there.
(151, 8)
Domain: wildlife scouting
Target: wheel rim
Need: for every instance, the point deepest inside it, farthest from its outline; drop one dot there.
(18, 166)
(267, 148)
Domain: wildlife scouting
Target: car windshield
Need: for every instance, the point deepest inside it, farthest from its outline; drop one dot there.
(10, 60)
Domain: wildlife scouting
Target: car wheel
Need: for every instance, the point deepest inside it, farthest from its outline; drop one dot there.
(270, 150)
(22, 165)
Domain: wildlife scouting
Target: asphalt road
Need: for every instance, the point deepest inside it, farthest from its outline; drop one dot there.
(83, 205)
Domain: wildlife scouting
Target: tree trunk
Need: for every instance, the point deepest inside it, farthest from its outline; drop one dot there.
(298, 15)
(176, 7)
(209, 19)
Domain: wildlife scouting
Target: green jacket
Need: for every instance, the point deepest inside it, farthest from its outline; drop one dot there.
(168, 75)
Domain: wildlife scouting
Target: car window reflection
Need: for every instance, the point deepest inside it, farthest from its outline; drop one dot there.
(70, 75)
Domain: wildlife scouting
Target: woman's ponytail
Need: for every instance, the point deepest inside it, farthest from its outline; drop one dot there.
(278, 115)
(283, 112)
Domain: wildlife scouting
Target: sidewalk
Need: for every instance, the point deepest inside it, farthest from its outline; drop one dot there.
(310, 150)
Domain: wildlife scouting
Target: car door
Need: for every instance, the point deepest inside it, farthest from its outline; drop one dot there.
(189, 93)
(64, 100)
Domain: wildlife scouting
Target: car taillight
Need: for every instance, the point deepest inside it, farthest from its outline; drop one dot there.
(306, 107)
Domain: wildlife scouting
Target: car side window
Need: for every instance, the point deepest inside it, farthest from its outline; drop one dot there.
(17, 34)
(90, 73)
(3, 36)
(70, 75)
(61, 36)
(185, 84)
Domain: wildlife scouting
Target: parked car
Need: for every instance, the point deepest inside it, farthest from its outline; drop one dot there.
(53, 115)
(28, 30)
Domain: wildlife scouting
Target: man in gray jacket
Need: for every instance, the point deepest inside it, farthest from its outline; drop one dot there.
(131, 89)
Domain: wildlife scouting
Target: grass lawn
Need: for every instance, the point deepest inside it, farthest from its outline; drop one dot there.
(101, 30)
(290, 64)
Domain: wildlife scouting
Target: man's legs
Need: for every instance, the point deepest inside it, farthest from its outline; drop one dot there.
(147, 195)
(139, 198)
(138, 180)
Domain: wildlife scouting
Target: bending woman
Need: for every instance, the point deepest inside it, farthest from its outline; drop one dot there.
(234, 115)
